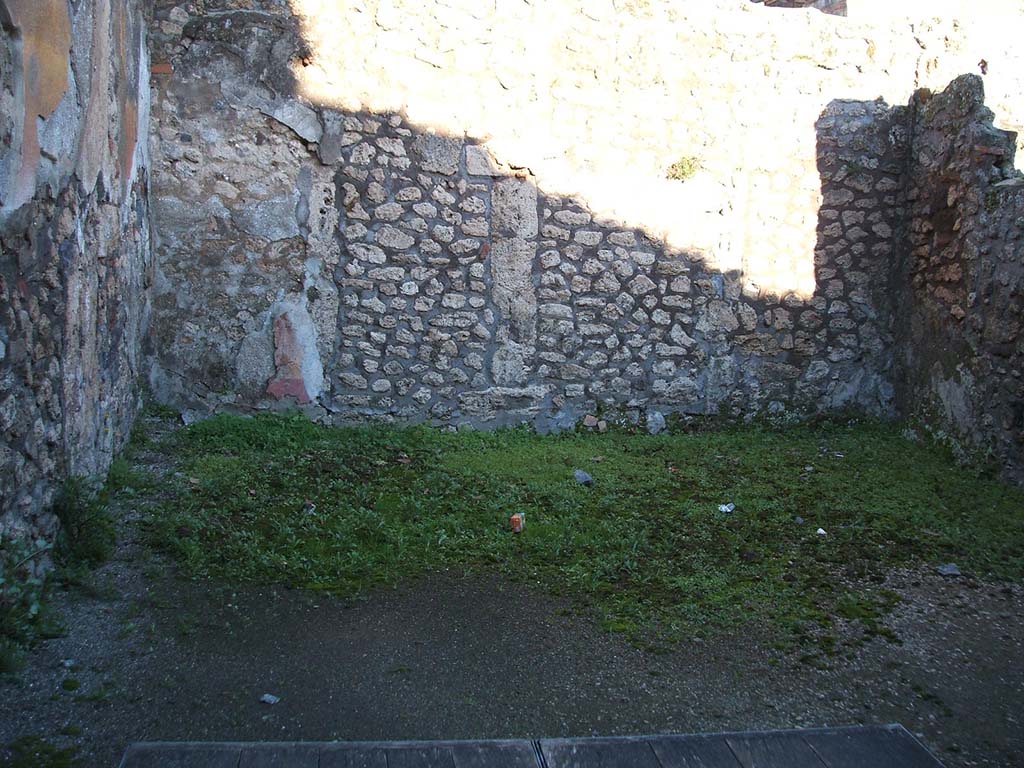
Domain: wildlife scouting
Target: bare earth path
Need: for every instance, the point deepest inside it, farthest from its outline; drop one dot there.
(456, 658)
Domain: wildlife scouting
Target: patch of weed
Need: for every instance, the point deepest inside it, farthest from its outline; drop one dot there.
(151, 408)
(21, 599)
(187, 624)
(87, 530)
(85, 540)
(12, 657)
(684, 168)
(100, 695)
(869, 611)
(37, 752)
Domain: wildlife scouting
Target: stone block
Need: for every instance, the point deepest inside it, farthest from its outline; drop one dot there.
(514, 208)
(437, 154)
(480, 162)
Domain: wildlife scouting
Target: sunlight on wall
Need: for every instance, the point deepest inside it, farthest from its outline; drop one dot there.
(598, 103)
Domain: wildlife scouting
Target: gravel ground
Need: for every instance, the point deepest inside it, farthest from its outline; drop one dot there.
(160, 657)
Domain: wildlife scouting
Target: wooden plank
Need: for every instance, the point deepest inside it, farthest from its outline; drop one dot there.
(183, 755)
(599, 753)
(420, 757)
(879, 747)
(489, 754)
(280, 756)
(694, 752)
(773, 750)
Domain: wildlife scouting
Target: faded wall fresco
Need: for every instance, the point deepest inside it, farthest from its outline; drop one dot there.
(74, 226)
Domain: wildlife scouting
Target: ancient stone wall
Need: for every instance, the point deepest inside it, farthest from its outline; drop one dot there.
(74, 227)
(480, 213)
(961, 322)
(836, 7)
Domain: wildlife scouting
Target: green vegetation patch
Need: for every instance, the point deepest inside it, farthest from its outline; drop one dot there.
(683, 169)
(279, 499)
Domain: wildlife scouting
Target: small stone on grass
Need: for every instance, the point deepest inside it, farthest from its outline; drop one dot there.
(583, 478)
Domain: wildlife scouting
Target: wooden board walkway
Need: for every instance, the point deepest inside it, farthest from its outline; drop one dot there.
(877, 746)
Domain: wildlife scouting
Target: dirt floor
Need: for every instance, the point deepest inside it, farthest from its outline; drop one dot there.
(159, 657)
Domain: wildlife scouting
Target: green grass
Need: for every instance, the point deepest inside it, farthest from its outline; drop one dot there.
(278, 499)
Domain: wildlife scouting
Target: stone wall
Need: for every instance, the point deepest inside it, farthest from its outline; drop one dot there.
(961, 338)
(836, 7)
(74, 226)
(480, 213)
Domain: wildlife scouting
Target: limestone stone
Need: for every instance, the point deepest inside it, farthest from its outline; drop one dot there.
(551, 232)
(479, 162)
(641, 285)
(514, 208)
(394, 239)
(437, 154)
(388, 212)
(717, 317)
(476, 227)
(300, 118)
(513, 291)
(391, 145)
(273, 219)
(588, 237)
(363, 153)
(367, 252)
(510, 364)
(473, 204)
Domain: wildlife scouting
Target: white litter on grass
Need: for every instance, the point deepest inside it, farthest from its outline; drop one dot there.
(822, 532)
(727, 508)
(269, 698)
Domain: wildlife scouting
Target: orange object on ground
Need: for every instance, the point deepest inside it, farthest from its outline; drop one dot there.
(518, 520)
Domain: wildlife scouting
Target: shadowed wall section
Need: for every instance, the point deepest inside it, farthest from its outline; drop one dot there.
(961, 303)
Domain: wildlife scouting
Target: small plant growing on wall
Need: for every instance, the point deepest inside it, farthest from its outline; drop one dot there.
(682, 169)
